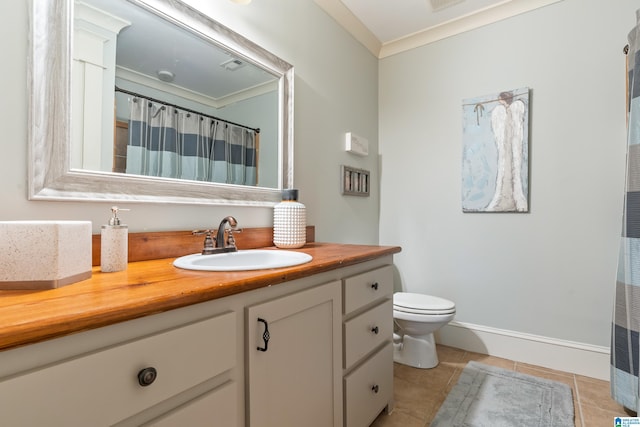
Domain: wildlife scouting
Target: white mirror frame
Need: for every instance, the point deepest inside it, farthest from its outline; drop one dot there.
(49, 129)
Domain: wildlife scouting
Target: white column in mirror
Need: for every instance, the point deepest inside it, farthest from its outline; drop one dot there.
(94, 60)
(356, 144)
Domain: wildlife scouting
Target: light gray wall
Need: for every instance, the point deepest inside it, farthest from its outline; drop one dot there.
(550, 272)
(335, 92)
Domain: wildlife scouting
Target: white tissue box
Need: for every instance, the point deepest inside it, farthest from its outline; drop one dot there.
(44, 254)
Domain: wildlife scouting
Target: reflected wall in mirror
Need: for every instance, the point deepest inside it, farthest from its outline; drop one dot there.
(154, 102)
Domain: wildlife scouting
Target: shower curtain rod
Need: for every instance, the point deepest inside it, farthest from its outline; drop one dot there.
(128, 92)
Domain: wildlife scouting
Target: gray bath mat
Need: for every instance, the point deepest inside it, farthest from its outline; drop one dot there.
(486, 396)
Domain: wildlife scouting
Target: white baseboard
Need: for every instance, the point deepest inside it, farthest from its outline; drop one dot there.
(569, 356)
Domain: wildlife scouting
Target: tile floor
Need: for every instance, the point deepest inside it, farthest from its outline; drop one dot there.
(420, 392)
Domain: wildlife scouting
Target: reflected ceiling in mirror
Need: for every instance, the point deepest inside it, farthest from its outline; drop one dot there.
(164, 51)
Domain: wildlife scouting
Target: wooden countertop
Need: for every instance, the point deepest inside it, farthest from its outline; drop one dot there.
(149, 287)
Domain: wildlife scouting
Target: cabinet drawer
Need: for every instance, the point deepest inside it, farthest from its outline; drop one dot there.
(369, 388)
(366, 288)
(102, 388)
(367, 331)
(218, 407)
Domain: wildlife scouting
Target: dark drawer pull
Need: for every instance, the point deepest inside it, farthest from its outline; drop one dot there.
(375, 389)
(375, 330)
(265, 335)
(147, 376)
(374, 286)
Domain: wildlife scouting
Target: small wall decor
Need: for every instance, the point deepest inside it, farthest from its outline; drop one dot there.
(495, 152)
(355, 182)
(356, 144)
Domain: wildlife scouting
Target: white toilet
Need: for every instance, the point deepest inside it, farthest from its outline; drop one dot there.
(416, 318)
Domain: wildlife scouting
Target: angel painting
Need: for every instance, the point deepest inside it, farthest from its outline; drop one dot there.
(495, 153)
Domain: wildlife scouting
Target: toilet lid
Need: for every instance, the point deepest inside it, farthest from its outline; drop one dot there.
(420, 303)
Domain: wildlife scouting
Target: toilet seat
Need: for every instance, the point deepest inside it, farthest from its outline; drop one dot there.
(427, 305)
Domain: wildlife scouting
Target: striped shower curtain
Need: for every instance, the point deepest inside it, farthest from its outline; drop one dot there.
(625, 356)
(167, 142)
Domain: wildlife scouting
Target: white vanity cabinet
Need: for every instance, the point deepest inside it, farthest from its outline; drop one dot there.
(327, 361)
(367, 345)
(109, 385)
(293, 354)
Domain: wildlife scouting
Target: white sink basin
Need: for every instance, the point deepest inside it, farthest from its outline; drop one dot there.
(253, 259)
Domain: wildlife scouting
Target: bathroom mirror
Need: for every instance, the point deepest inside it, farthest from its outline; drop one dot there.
(67, 127)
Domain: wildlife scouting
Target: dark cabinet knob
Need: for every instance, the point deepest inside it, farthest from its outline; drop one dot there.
(375, 389)
(374, 286)
(147, 376)
(375, 330)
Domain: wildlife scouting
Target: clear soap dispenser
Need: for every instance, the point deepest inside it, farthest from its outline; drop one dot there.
(114, 244)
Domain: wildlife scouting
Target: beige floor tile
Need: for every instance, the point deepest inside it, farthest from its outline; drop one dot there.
(416, 400)
(397, 419)
(543, 369)
(431, 416)
(597, 393)
(489, 360)
(450, 354)
(438, 377)
(452, 361)
(596, 417)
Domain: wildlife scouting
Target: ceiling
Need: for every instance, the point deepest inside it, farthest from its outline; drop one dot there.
(391, 20)
(387, 27)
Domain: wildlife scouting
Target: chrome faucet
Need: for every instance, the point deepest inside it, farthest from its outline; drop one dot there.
(217, 244)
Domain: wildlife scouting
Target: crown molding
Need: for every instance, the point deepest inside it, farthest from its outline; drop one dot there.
(341, 14)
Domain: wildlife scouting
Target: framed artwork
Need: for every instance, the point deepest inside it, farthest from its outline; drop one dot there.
(495, 152)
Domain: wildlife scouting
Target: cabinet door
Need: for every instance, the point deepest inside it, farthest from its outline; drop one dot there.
(294, 370)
